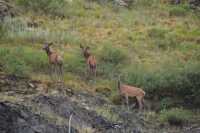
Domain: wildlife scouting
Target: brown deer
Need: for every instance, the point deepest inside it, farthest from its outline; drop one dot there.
(131, 91)
(90, 60)
(55, 60)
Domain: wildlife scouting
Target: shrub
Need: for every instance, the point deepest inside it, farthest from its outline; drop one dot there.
(179, 10)
(75, 64)
(113, 55)
(175, 116)
(116, 99)
(162, 38)
(15, 66)
(53, 7)
(36, 60)
(166, 103)
(22, 61)
(157, 32)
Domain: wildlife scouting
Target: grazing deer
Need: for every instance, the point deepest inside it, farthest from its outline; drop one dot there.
(131, 91)
(90, 60)
(55, 60)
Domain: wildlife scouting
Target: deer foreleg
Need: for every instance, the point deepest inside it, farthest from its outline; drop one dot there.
(55, 71)
(51, 70)
(127, 102)
(88, 71)
(139, 100)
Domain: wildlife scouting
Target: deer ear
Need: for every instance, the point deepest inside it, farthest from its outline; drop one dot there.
(87, 47)
(51, 43)
(119, 77)
(81, 46)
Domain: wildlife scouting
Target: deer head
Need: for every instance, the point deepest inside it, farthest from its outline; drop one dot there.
(85, 51)
(46, 47)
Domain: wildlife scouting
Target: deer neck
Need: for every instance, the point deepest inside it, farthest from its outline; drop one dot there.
(49, 52)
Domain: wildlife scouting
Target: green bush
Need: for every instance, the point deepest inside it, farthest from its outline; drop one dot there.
(116, 99)
(179, 10)
(53, 7)
(75, 64)
(113, 55)
(157, 32)
(23, 61)
(166, 103)
(175, 116)
(15, 66)
(111, 60)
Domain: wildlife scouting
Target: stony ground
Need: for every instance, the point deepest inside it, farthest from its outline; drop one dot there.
(28, 106)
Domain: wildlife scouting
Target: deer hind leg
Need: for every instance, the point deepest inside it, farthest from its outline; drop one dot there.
(51, 71)
(56, 71)
(143, 102)
(139, 100)
(60, 72)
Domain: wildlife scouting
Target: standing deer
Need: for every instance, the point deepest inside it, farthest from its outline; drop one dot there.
(90, 60)
(55, 60)
(131, 91)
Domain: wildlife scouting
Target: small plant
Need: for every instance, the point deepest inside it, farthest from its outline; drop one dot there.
(113, 55)
(175, 116)
(116, 99)
(75, 64)
(15, 66)
(179, 10)
(157, 32)
(166, 103)
(52, 7)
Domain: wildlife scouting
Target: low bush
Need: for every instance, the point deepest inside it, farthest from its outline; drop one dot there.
(75, 63)
(166, 103)
(157, 32)
(111, 60)
(51, 7)
(22, 61)
(113, 55)
(180, 10)
(175, 116)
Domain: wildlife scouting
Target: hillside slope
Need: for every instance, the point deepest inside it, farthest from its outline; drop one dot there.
(152, 44)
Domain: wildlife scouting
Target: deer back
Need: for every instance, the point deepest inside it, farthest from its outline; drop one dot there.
(131, 91)
(54, 58)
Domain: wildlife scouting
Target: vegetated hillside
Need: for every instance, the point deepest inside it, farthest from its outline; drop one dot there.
(152, 44)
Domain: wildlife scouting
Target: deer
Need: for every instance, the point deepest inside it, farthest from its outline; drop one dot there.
(55, 60)
(131, 91)
(90, 60)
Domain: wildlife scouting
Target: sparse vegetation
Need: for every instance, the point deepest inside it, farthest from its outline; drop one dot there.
(175, 116)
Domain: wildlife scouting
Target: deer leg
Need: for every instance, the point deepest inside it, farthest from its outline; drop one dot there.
(52, 71)
(143, 102)
(139, 100)
(88, 71)
(127, 102)
(55, 71)
(61, 72)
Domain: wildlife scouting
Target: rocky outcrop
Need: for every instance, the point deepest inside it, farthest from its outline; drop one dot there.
(195, 3)
(5, 9)
(18, 119)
